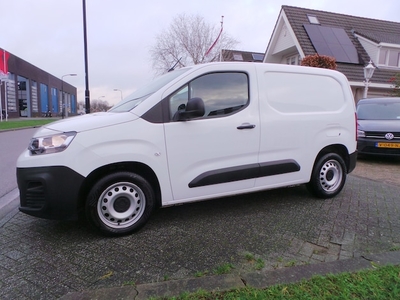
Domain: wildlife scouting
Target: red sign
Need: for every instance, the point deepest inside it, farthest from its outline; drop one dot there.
(4, 61)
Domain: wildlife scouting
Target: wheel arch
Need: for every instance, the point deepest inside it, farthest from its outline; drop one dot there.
(338, 149)
(328, 175)
(136, 167)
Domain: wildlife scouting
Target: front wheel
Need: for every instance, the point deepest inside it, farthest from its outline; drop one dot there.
(328, 176)
(120, 203)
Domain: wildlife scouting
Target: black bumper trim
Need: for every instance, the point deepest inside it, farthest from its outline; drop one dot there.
(49, 192)
(352, 162)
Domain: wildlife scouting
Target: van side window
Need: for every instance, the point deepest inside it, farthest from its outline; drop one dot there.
(222, 94)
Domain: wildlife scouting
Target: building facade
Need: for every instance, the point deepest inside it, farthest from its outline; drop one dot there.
(29, 91)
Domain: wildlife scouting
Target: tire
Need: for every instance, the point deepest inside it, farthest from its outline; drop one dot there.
(328, 176)
(120, 203)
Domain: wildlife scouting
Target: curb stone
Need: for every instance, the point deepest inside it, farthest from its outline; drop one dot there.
(258, 280)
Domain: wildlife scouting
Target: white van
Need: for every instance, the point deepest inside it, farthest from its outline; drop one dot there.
(195, 133)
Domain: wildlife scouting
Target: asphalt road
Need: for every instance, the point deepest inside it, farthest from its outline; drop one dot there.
(12, 143)
(44, 259)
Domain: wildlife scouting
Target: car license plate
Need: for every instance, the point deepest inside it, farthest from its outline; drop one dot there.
(387, 145)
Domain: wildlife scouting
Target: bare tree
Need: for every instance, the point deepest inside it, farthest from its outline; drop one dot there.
(99, 105)
(95, 105)
(186, 41)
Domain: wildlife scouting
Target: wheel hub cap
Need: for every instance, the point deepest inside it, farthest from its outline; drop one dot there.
(121, 205)
(331, 175)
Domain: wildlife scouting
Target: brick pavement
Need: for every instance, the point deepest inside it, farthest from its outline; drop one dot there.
(42, 259)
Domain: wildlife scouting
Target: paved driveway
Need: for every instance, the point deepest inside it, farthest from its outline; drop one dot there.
(42, 259)
(382, 169)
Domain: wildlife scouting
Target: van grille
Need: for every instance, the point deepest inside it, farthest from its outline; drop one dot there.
(35, 195)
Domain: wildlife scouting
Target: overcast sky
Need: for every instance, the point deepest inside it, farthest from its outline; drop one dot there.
(49, 33)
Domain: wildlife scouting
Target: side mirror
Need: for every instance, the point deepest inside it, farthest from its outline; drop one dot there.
(194, 109)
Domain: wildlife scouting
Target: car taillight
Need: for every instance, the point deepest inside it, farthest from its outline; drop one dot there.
(355, 117)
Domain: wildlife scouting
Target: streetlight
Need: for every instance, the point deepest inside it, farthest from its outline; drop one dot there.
(64, 106)
(368, 72)
(87, 92)
(116, 90)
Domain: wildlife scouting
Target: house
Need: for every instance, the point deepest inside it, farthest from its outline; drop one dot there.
(238, 55)
(353, 41)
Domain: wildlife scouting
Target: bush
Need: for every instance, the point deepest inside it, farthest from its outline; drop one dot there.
(395, 80)
(319, 61)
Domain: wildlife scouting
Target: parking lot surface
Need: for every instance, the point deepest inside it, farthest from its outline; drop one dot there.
(43, 259)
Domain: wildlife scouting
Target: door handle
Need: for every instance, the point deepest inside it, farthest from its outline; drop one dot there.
(246, 126)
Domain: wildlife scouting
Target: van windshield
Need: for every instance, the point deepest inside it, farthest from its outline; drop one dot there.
(144, 92)
(379, 111)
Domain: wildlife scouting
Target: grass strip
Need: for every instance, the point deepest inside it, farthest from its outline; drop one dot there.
(381, 283)
(16, 124)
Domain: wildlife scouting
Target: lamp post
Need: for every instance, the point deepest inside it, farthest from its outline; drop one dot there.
(87, 92)
(64, 106)
(116, 90)
(368, 72)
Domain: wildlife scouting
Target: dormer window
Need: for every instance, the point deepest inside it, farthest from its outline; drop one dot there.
(313, 20)
(389, 57)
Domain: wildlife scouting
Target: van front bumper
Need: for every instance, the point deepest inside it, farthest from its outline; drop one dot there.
(49, 192)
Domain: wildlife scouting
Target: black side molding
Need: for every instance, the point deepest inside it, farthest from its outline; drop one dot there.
(226, 175)
(278, 167)
(245, 172)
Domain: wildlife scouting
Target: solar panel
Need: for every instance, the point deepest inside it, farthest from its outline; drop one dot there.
(333, 42)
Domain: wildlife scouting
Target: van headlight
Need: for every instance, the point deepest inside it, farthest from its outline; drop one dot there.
(52, 143)
(360, 133)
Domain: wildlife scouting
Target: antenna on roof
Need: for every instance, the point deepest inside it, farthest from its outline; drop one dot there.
(173, 67)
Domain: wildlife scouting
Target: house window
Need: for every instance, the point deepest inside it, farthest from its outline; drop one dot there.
(389, 58)
(257, 56)
(382, 56)
(293, 60)
(237, 56)
(393, 58)
(313, 19)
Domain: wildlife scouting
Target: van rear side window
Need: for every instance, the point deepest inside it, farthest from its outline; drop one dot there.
(307, 92)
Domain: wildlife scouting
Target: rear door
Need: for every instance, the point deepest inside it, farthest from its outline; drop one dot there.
(215, 153)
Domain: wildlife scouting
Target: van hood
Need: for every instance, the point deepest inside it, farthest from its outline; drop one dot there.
(380, 125)
(88, 122)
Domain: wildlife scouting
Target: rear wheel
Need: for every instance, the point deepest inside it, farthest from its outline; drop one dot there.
(120, 203)
(328, 176)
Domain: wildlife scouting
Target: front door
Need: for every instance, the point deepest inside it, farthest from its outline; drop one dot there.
(216, 152)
